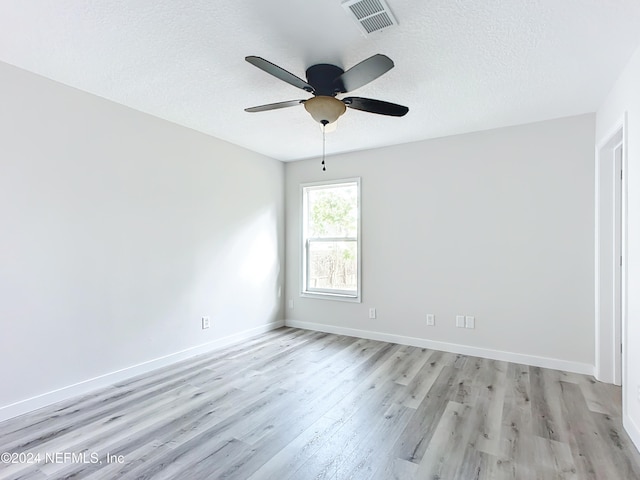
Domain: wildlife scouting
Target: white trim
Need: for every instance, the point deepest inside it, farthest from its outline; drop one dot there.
(598, 368)
(331, 296)
(632, 430)
(606, 367)
(534, 361)
(108, 379)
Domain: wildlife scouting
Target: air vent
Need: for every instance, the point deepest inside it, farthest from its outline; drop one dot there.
(370, 15)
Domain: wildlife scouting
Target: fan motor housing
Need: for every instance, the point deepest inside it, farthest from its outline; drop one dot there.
(322, 78)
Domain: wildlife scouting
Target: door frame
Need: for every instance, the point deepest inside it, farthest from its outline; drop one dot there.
(610, 246)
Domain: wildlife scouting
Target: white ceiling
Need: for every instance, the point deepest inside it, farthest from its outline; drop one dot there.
(460, 66)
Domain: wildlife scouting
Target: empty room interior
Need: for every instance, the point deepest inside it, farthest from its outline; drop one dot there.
(320, 239)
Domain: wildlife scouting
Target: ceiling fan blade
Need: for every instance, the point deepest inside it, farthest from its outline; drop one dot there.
(279, 72)
(363, 73)
(274, 106)
(375, 106)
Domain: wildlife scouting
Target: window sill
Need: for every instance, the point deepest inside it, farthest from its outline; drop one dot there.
(332, 296)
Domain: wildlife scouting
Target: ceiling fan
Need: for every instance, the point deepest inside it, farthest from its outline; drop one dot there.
(325, 81)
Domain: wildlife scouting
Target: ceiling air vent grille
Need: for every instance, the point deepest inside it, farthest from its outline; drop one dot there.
(370, 15)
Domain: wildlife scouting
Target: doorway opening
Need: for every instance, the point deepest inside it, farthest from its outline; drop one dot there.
(610, 261)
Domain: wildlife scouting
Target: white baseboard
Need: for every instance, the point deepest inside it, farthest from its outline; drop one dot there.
(531, 360)
(102, 381)
(632, 429)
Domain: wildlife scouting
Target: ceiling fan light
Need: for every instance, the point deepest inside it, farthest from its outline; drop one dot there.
(324, 109)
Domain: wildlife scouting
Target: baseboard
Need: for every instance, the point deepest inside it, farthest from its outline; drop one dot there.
(632, 430)
(531, 360)
(102, 381)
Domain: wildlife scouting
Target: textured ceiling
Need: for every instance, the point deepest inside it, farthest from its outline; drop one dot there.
(460, 66)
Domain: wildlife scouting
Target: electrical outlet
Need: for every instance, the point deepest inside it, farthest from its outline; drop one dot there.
(470, 322)
(206, 323)
(460, 321)
(372, 313)
(431, 319)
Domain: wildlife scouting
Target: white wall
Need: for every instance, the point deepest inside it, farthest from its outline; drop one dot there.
(496, 224)
(625, 98)
(118, 232)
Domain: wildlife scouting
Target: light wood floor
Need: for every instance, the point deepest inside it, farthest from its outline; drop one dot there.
(296, 404)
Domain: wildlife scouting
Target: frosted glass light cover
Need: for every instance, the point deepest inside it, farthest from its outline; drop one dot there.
(324, 108)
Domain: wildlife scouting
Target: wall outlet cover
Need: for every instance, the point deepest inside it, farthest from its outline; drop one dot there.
(470, 322)
(460, 321)
(431, 319)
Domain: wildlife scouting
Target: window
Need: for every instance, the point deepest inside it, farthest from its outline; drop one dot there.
(331, 240)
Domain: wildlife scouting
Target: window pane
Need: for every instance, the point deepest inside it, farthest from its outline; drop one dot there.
(333, 211)
(330, 266)
(333, 265)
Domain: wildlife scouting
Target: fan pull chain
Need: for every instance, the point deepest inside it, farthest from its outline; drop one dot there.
(324, 144)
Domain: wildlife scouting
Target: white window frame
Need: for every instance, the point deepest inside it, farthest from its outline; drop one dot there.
(328, 294)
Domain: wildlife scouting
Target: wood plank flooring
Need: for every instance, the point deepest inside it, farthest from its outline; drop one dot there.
(296, 404)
